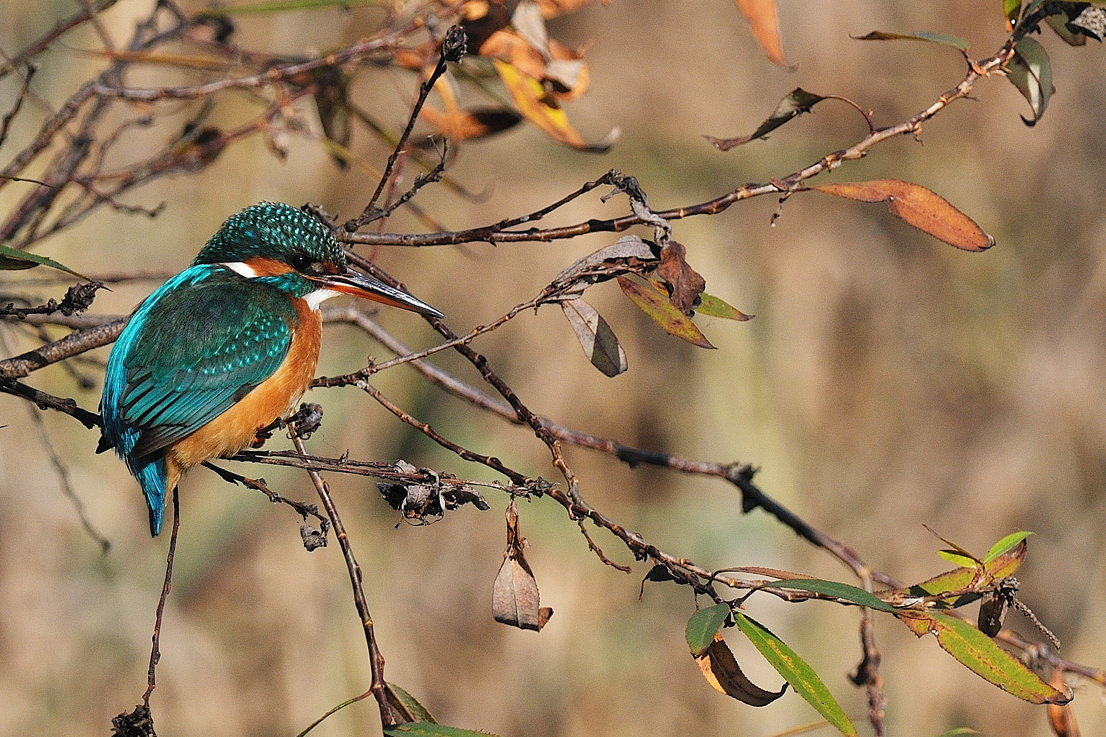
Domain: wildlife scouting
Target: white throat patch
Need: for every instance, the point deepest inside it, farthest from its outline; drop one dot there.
(316, 298)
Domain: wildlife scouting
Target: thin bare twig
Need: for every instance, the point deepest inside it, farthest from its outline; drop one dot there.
(376, 659)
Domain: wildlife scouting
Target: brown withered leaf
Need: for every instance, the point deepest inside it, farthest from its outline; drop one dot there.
(794, 104)
(765, 24)
(653, 301)
(686, 283)
(515, 591)
(915, 205)
(720, 668)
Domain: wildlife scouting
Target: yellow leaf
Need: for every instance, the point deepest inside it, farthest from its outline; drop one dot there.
(540, 108)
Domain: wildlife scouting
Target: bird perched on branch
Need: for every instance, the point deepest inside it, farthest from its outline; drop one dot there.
(227, 346)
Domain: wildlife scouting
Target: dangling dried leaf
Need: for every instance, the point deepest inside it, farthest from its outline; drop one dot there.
(797, 102)
(686, 283)
(654, 302)
(721, 670)
(915, 205)
(515, 591)
(596, 337)
(765, 24)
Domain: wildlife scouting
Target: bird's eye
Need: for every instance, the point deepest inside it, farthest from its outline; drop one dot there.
(302, 263)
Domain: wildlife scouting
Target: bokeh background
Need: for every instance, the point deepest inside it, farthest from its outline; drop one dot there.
(888, 381)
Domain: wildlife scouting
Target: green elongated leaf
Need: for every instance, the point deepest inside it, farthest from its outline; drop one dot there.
(1005, 545)
(943, 39)
(703, 625)
(15, 260)
(796, 672)
(656, 305)
(424, 729)
(595, 336)
(959, 559)
(407, 705)
(915, 205)
(712, 306)
(797, 102)
(1030, 71)
(979, 653)
(836, 589)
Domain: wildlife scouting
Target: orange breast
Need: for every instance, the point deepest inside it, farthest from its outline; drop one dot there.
(275, 397)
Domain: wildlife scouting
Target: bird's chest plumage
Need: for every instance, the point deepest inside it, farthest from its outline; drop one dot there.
(256, 406)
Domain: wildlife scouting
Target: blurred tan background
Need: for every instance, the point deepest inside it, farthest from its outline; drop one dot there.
(888, 381)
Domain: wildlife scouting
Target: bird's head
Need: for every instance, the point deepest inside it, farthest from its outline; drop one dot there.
(294, 251)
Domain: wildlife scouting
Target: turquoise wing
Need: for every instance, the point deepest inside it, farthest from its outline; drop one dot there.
(193, 349)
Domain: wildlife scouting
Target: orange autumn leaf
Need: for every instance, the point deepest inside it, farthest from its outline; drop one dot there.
(765, 24)
(915, 205)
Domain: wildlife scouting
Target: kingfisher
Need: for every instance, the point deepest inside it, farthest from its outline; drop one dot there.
(227, 346)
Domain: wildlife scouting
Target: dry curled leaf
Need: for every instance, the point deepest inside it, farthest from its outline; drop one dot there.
(794, 104)
(515, 592)
(720, 668)
(686, 283)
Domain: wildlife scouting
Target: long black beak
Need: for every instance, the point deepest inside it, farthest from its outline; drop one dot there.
(367, 287)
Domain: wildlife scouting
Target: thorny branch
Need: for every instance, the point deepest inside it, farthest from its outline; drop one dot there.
(77, 182)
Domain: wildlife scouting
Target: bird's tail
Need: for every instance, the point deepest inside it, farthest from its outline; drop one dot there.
(152, 477)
